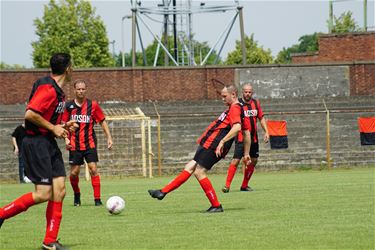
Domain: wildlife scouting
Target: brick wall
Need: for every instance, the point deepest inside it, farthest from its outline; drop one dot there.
(362, 78)
(130, 85)
(170, 84)
(345, 47)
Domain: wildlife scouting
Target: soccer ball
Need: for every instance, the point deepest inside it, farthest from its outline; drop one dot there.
(115, 204)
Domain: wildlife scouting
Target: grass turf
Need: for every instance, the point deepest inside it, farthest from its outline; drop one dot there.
(288, 210)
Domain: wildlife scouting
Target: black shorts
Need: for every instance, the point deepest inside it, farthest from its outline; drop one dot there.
(207, 158)
(238, 150)
(76, 157)
(43, 159)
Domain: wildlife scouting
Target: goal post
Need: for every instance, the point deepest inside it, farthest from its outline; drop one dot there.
(131, 154)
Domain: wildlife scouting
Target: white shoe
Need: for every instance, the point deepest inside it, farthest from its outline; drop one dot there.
(26, 180)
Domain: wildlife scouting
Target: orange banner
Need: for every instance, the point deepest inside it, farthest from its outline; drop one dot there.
(277, 128)
(366, 124)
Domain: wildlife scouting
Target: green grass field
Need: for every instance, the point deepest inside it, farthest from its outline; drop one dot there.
(289, 210)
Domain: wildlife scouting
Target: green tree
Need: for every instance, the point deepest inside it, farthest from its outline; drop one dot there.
(344, 23)
(11, 66)
(307, 43)
(255, 54)
(71, 26)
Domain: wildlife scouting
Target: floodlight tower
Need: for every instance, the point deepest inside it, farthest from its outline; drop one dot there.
(177, 21)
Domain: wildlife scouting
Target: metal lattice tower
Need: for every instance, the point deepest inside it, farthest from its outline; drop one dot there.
(176, 19)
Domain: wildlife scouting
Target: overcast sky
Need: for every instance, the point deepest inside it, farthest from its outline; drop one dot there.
(275, 24)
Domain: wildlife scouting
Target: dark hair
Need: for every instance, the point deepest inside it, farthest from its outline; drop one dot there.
(59, 63)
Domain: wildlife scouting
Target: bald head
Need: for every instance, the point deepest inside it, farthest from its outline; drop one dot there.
(231, 89)
(247, 92)
(229, 94)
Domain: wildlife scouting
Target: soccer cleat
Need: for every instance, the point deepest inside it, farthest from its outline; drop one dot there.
(246, 189)
(1, 222)
(225, 189)
(158, 194)
(98, 202)
(77, 199)
(53, 246)
(218, 209)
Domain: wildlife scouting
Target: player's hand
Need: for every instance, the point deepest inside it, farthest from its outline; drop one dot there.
(67, 143)
(71, 126)
(219, 149)
(59, 131)
(246, 159)
(266, 137)
(16, 151)
(110, 143)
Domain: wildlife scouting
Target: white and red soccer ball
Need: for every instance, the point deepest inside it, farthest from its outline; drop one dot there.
(115, 205)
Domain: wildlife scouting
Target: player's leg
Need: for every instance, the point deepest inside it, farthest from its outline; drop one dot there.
(41, 194)
(91, 156)
(95, 182)
(55, 204)
(54, 212)
(237, 155)
(201, 174)
(230, 175)
(176, 182)
(206, 159)
(75, 160)
(21, 170)
(250, 168)
(37, 166)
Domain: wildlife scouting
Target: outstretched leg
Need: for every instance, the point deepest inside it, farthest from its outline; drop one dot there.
(176, 182)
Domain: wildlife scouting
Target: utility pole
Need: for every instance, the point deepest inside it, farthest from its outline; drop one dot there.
(364, 15)
(330, 21)
(243, 45)
(134, 19)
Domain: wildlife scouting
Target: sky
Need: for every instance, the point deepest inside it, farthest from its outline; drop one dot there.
(275, 24)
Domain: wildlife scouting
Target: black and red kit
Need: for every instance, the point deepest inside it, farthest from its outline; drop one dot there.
(48, 100)
(251, 111)
(219, 128)
(86, 117)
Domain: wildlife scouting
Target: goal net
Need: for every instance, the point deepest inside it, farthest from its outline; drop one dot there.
(132, 144)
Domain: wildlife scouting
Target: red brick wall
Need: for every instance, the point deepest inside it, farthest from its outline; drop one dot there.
(168, 84)
(362, 79)
(346, 47)
(130, 85)
(303, 58)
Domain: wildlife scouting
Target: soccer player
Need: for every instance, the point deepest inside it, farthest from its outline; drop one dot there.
(252, 111)
(82, 143)
(214, 144)
(17, 137)
(43, 160)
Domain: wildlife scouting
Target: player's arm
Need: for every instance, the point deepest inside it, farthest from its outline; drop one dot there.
(16, 149)
(265, 129)
(236, 128)
(247, 145)
(38, 120)
(107, 133)
(70, 126)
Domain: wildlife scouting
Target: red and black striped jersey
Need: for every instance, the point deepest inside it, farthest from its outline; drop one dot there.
(252, 112)
(219, 128)
(86, 116)
(48, 100)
